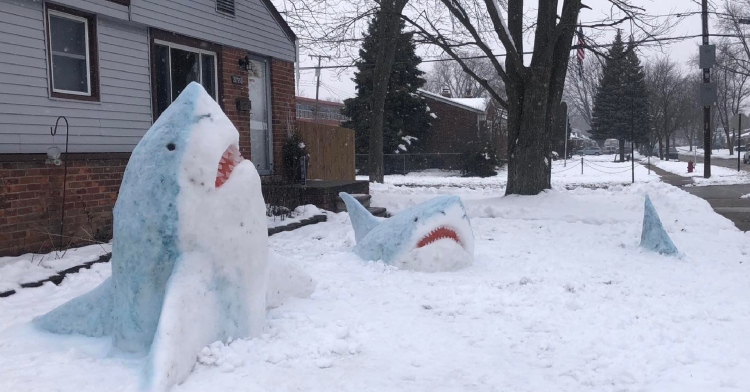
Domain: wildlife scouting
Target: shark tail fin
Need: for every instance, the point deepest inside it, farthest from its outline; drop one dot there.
(654, 237)
(362, 220)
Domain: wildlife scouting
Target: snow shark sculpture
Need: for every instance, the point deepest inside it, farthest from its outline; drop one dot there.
(433, 236)
(654, 237)
(190, 249)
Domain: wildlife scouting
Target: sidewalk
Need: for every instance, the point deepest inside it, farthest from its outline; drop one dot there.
(724, 199)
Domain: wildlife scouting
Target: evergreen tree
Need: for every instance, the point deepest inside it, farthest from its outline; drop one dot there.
(406, 120)
(637, 93)
(607, 116)
(621, 101)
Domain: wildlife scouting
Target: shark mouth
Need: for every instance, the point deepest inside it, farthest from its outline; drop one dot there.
(229, 160)
(440, 233)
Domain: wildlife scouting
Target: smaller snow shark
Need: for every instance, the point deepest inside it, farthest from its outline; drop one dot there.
(432, 236)
(654, 237)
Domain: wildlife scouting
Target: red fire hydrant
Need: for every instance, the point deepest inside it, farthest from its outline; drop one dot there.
(690, 166)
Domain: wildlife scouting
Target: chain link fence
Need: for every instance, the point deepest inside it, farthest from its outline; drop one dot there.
(405, 163)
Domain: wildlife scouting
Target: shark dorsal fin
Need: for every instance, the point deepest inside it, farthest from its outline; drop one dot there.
(362, 220)
(654, 237)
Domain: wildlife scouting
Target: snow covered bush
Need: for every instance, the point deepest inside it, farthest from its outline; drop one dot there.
(479, 160)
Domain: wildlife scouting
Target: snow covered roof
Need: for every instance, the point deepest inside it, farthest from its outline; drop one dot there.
(478, 105)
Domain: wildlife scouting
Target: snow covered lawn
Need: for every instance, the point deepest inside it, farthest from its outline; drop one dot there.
(559, 298)
(719, 175)
(722, 153)
(598, 171)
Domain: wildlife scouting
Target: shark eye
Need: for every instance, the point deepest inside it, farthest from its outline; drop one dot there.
(171, 147)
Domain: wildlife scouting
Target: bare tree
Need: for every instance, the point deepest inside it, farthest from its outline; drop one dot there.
(666, 89)
(580, 87)
(449, 74)
(734, 21)
(733, 88)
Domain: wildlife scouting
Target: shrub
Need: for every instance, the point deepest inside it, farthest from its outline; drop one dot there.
(294, 150)
(479, 160)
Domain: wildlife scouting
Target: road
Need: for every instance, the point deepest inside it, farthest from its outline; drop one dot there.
(724, 199)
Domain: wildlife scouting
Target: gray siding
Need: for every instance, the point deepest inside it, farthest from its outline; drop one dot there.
(115, 124)
(253, 27)
(99, 7)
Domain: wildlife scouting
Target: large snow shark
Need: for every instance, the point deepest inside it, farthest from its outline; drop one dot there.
(432, 236)
(190, 247)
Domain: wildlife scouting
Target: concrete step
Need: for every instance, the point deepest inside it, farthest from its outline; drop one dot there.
(378, 211)
(361, 198)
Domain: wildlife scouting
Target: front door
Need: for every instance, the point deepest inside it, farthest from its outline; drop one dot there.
(260, 125)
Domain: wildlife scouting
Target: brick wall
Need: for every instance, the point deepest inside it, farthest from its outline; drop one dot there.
(31, 200)
(453, 129)
(31, 189)
(230, 92)
(283, 108)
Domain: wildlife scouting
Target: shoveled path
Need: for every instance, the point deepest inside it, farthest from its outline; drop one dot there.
(725, 199)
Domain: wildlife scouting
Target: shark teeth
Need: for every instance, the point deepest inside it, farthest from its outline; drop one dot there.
(227, 163)
(439, 233)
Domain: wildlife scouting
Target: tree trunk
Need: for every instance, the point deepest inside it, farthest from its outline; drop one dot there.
(666, 149)
(527, 169)
(388, 32)
(661, 155)
(622, 149)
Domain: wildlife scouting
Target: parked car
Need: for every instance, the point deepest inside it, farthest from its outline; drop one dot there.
(746, 157)
(673, 154)
(590, 151)
(610, 150)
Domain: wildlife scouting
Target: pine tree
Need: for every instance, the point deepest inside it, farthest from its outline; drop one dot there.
(621, 101)
(607, 115)
(406, 120)
(637, 93)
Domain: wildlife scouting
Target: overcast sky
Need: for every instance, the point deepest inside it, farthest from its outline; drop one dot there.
(340, 87)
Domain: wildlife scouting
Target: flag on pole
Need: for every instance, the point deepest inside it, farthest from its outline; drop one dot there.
(581, 53)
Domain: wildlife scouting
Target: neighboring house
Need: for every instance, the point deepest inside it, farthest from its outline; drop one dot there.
(111, 67)
(457, 123)
(329, 112)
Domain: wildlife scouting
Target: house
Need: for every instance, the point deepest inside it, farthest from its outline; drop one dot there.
(329, 112)
(458, 122)
(110, 67)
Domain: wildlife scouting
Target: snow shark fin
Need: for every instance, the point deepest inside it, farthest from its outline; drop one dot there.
(362, 220)
(654, 237)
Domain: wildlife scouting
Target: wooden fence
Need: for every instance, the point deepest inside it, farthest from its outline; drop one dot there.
(331, 151)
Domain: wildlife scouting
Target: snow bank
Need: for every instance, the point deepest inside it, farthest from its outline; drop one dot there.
(15, 271)
(719, 175)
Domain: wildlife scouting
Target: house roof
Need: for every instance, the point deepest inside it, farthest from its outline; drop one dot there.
(476, 105)
(280, 20)
(320, 101)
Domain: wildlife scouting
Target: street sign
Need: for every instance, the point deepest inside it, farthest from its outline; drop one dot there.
(735, 123)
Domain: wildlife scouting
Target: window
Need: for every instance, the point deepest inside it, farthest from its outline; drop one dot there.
(225, 6)
(71, 42)
(175, 66)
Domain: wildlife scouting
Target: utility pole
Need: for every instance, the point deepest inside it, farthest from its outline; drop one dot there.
(632, 139)
(317, 84)
(706, 104)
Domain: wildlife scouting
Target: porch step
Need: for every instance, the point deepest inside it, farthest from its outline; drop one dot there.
(361, 198)
(365, 201)
(378, 211)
